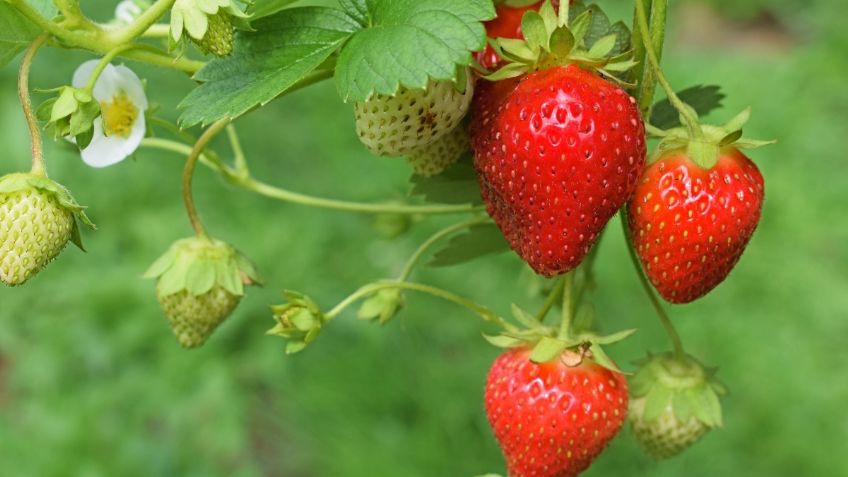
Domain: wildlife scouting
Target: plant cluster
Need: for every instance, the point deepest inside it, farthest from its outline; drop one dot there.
(534, 121)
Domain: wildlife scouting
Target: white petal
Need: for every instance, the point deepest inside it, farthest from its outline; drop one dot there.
(107, 85)
(105, 151)
(130, 83)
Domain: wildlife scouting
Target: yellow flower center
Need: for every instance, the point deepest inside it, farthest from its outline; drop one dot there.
(118, 116)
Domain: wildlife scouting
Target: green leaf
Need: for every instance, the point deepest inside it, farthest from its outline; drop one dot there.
(547, 349)
(457, 185)
(479, 241)
(357, 9)
(264, 8)
(16, 33)
(283, 49)
(703, 99)
(408, 42)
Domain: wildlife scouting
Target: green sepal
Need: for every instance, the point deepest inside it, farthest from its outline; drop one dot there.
(683, 384)
(71, 114)
(23, 181)
(382, 306)
(191, 17)
(299, 321)
(198, 265)
(547, 349)
(503, 341)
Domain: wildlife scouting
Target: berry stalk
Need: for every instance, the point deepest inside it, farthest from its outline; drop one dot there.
(688, 116)
(38, 167)
(646, 76)
(673, 335)
(188, 173)
(446, 232)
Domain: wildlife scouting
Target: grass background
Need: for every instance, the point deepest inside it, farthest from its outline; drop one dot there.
(93, 384)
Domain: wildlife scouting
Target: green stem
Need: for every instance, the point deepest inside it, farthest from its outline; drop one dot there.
(160, 59)
(686, 113)
(141, 24)
(240, 159)
(307, 200)
(647, 81)
(358, 207)
(104, 62)
(38, 166)
(413, 260)
(554, 296)
(180, 148)
(369, 289)
(157, 31)
(188, 173)
(638, 47)
(649, 291)
(567, 306)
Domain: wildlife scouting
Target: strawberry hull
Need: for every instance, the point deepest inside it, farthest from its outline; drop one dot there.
(691, 225)
(557, 154)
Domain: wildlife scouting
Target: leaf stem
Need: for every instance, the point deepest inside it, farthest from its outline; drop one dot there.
(646, 79)
(38, 166)
(141, 24)
(447, 231)
(673, 335)
(366, 290)
(188, 173)
(688, 115)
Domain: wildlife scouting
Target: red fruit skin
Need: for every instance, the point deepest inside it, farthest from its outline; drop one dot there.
(552, 420)
(557, 153)
(690, 225)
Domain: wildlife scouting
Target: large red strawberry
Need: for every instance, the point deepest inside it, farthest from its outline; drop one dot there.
(690, 223)
(553, 419)
(557, 153)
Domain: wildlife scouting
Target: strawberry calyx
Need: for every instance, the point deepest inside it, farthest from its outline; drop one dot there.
(299, 321)
(547, 343)
(554, 39)
(704, 146)
(22, 181)
(680, 383)
(200, 264)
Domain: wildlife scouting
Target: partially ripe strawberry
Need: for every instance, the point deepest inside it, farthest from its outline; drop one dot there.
(37, 220)
(436, 157)
(674, 403)
(507, 24)
(553, 419)
(557, 152)
(412, 118)
(690, 224)
(200, 283)
(219, 36)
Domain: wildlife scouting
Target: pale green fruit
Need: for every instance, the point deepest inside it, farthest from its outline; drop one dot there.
(218, 39)
(412, 118)
(664, 436)
(193, 318)
(34, 228)
(436, 157)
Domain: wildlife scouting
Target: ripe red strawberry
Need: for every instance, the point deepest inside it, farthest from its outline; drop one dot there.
(557, 152)
(690, 225)
(551, 419)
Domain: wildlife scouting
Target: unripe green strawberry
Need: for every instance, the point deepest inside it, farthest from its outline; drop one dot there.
(218, 39)
(201, 281)
(193, 318)
(37, 220)
(436, 157)
(674, 402)
(412, 118)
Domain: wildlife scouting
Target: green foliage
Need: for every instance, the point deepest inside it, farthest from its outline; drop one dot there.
(408, 42)
(457, 185)
(16, 32)
(703, 99)
(479, 241)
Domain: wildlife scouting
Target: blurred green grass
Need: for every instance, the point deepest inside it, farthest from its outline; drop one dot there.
(93, 383)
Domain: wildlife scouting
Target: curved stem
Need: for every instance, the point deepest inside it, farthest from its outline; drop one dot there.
(188, 173)
(307, 200)
(447, 231)
(358, 207)
(104, 62)
(38, 166)
(141, 24)
(685, 111)
(649, 291)
(240, 158)
(479, 310)
(160, 59)
(567, 306)
(554, 296)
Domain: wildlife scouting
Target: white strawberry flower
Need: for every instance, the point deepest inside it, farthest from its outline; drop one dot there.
(127, 11)
(119, 129)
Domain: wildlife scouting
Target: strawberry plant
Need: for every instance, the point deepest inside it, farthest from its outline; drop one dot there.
(534, 123)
